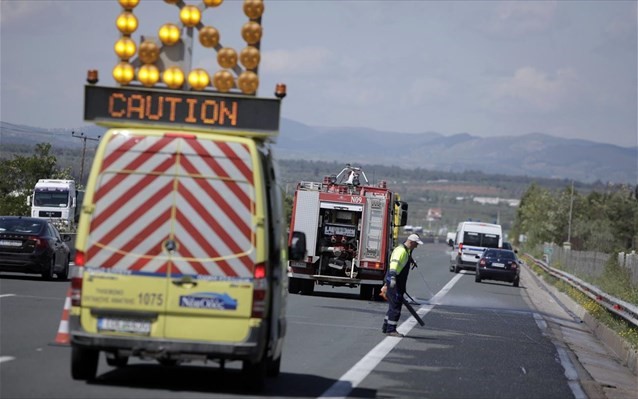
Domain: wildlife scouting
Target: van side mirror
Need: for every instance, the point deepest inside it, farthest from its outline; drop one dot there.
(28, 200)
(297, 248)
(450, 242)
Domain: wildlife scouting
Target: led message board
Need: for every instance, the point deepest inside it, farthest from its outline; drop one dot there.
(198, 109)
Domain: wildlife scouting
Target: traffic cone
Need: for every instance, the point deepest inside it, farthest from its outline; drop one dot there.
(62, 337)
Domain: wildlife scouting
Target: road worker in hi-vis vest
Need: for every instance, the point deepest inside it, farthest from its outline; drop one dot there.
(395, 283)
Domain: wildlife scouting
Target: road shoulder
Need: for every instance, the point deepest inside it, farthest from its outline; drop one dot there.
(602, 359)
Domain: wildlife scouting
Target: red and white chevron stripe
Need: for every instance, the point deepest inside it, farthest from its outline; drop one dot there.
(199, 193)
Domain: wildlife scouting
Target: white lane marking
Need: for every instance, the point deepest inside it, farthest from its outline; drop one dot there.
(540, 322)
(571, 374)
(6, 359)
(353, 377)
(6, 295)
(570, 371)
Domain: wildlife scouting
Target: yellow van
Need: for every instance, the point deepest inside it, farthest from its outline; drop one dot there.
(181, 253)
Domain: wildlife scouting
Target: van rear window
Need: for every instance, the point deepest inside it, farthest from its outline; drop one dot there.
(480, 239)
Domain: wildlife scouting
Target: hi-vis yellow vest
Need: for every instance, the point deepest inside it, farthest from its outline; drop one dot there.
(399, 258)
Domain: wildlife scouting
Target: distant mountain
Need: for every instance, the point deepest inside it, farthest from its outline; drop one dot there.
(534, 154)
(26, 135)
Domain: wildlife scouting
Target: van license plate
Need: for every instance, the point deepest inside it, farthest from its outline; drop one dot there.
(124, 325)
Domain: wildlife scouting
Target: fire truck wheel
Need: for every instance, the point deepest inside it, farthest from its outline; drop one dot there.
(307, 287)
(293, 285)
(366, 292)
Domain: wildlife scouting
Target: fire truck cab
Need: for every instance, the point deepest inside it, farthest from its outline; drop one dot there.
(351, 228)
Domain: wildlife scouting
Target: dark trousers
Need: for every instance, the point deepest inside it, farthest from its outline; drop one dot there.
(394, 310)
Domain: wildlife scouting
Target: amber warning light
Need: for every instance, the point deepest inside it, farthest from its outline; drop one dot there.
(198, 109)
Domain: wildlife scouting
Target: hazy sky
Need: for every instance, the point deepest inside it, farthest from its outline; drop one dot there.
(487, 68)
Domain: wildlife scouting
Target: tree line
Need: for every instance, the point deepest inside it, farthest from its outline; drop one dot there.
(604, 221)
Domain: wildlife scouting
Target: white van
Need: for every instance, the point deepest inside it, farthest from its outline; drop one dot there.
(471, 239)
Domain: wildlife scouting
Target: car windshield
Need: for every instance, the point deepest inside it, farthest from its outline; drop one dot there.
(20, 226)
(57, 198)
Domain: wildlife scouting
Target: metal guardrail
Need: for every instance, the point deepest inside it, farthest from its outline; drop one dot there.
(614, 305)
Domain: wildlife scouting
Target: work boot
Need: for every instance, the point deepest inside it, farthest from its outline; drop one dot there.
(384, 328)
(394, 334)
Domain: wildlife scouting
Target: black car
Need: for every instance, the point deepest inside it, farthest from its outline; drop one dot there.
(498, 264)
(32, 245)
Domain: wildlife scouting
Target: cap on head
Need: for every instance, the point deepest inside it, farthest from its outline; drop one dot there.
(415, 238)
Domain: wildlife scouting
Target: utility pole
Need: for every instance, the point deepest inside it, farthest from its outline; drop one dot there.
(84, 139)
(571, 205)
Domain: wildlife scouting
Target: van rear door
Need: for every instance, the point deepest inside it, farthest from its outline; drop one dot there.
(171, 238)
(213, 241)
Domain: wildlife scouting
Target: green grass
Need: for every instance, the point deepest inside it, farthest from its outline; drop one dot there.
(616, 281)
(612, 282)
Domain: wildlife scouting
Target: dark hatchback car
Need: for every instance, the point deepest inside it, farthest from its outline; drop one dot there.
(32, 245)
(498, 264)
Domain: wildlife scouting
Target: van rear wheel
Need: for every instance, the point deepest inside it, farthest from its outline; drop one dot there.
(255, 374)
(84, 363)
(274, 367)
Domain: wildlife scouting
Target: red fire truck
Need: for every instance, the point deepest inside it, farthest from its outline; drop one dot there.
(351, 228)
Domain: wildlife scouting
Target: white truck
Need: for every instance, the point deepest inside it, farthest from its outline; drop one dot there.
(56, 200)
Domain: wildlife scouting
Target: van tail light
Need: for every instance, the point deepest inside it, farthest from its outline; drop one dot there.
(460, 248)
(79, 258)
(260, 291)
(76, 279)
